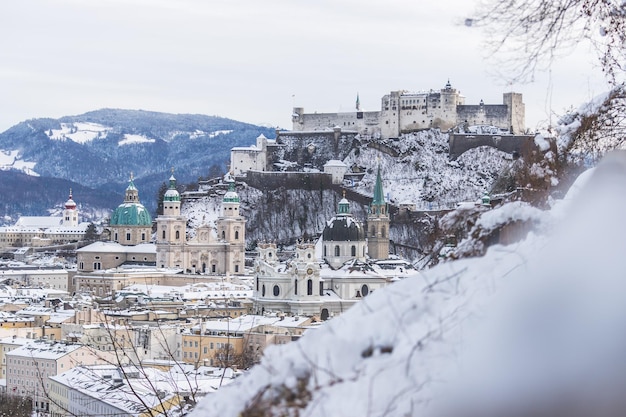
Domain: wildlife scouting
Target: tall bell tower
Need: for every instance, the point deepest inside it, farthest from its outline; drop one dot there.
(378, 223)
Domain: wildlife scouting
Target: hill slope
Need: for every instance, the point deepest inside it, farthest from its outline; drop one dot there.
(100, 149)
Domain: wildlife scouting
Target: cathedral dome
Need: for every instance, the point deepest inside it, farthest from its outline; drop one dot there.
(131, 214)
(343, 229)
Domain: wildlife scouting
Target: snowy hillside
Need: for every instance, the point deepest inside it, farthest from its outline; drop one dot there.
(423, 173)
(515, 332)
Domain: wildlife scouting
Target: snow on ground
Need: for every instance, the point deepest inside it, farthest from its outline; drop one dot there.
(11, 160)
(130, 139)
(512, 333)
(79, 132)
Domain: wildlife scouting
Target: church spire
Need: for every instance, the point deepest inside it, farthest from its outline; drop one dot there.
(379, 196)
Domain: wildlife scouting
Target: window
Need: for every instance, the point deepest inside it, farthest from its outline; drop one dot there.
(236, 234)
(309, 287)
(373, 231)
(337, 252)
(143, 236)
(325, 251)
(295, 286)
(382, 231)
(177, 235)
(213, 268)
(365, 290)
(276, 290)
(223, 234)
(127, 236)
(353, 250)
(97, 265)
(236, 268)
(263, 291)
(163, 234)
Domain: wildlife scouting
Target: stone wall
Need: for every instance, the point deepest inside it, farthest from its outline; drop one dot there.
(512, 144)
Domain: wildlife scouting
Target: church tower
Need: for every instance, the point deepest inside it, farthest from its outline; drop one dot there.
(378, 223)
(231, 229)
(171, 230)
(70, 213)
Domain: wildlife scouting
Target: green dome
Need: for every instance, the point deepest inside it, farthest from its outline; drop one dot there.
(131, 214)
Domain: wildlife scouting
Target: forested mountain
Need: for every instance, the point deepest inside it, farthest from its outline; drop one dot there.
(100, 149)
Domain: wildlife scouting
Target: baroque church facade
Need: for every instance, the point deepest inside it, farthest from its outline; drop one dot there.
(326, 278)
(211, 251)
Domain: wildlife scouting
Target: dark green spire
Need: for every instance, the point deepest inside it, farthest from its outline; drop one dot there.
(379, 196)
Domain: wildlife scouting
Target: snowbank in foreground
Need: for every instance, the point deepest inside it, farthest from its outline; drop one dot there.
(531, 327)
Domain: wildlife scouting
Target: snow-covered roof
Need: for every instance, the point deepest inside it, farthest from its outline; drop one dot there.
(114, 247)
(39, 222)
(44, 349)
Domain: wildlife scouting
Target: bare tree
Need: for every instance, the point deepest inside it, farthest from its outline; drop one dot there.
(527, 35)
(15, 406)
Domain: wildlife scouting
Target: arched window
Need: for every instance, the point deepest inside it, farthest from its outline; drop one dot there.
(223, 234)
(309, 287)
(263, 291)
(365, 290)
(295, 286)
(373, 231)
(382, 231)
(236, 234)
(257, 283)
(353, 250)
(276, 290)
(177, 235)
(163, 234)
(337, 252)
(143, 236)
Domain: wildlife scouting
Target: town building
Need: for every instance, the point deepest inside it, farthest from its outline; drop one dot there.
(29, 366)
(111, 390)
(403, 112)
(38, 231)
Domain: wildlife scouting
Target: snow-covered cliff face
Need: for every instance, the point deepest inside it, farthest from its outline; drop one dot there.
(420, 173)
(529, 329)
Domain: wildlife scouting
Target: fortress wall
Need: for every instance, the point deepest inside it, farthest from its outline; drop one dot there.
(313, 149)
(488, 114)
(506, 143)
(291, 180)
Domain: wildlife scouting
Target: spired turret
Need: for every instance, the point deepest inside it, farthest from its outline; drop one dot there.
(171, 199)
(378, 223)
(70, 213)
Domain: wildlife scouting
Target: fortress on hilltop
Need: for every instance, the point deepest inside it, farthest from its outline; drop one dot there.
(404, 112)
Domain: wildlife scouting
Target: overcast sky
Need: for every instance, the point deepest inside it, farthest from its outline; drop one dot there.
(253, 60)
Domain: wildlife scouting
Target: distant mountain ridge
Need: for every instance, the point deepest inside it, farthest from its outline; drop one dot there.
(100, 149)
